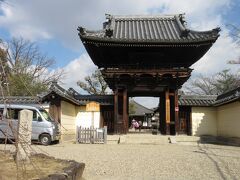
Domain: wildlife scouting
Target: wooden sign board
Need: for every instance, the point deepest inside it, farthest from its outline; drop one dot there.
(93, 107)
(167, 111)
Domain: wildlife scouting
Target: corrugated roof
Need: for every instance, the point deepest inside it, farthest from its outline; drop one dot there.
(228, 97)
(164, 29)
(184, 100)
(102, 99)
(140, 110)
(56, 89)
(196, 100)
(76, 98)
(19, 100)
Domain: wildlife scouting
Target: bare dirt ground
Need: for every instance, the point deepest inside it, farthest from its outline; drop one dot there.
(38, 167)
(171, 161)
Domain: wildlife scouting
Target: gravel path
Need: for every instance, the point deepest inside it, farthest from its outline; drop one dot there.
(151, 161)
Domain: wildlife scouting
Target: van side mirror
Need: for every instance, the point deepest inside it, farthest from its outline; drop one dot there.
(39, 118)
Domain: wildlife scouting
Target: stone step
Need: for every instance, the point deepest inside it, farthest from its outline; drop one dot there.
(113, 139)
(182, 138)
(143, 139)
(147, 138)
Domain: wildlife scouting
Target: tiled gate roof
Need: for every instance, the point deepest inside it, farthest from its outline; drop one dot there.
(145, 28)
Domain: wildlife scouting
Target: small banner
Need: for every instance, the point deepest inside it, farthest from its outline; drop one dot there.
(167, 111)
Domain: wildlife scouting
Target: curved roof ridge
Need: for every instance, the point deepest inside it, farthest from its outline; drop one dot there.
(141, 105)
(145, 16)
(217, 30)
(198, 96)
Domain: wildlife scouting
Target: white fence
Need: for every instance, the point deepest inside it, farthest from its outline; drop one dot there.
(91, 135)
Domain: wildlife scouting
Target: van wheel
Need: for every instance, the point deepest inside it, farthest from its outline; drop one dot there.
(45, 139)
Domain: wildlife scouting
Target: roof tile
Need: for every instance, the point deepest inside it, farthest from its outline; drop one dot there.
(193, 100)
(167, 28)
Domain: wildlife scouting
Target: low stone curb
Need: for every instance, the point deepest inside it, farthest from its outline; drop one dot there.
(73, 172)
(221, 140)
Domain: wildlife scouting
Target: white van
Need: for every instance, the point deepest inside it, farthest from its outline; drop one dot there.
(44, 128)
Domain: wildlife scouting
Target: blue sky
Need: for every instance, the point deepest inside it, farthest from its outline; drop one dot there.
(53, 26)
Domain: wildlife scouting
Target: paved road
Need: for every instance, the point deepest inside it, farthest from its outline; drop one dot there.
(151, 162)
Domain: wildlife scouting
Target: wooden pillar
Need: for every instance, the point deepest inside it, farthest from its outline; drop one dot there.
(167, 112)
(190, 121)
(176, 113)
(162, 113)
(128, 112)
(55, 109)
(120, 111)
(115, 110)
(125, 112)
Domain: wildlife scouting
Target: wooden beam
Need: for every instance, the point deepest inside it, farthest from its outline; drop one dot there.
(176, 113)
(162, 113)
(115, 110)
(190, 122)
(125, 113)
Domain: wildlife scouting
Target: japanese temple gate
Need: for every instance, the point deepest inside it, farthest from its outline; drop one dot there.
(146, 56)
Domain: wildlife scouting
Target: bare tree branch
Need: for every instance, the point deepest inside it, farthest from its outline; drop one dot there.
(28, 64)
(217, 84)
(235, 34)
(94, 84)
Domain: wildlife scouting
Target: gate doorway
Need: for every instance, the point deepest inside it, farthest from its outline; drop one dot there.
(141, 112)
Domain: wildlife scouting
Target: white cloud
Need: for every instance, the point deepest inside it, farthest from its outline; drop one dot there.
(60, 19)
(217, 57)
(19, 23)
(76, 70)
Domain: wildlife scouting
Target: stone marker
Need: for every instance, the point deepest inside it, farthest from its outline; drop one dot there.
(24, 135)
(105, 135)
(172, 140)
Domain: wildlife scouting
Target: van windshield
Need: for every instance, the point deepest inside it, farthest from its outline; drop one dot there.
(45, 114)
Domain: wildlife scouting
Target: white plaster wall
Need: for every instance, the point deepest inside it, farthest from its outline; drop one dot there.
(229, 120)
(87, 119)
(204, 121)
(68, 118)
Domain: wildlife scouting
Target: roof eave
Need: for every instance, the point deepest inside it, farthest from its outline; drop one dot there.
(216, 104)
(193, 105)
(110, 41)
(45, 97)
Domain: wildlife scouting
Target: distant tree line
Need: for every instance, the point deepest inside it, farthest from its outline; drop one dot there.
(213, 85)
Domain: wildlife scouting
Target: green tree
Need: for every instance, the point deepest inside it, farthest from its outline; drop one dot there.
(25, 85)
(132, 108)
(25, 70)
(94, 84)
(213, 85)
